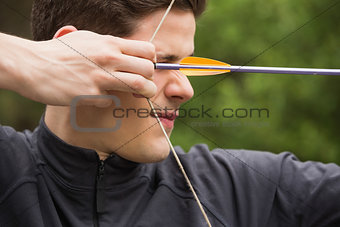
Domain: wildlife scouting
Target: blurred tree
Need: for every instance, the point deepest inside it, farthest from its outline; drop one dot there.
(304, 110)
(15, 110)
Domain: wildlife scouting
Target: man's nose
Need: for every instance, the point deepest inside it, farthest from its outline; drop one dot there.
(178, 87)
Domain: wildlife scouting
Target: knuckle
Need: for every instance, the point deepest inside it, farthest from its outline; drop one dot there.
(93, 91)
(97, 78)
(150, 47)
(115, 44)
(139, 84)
(99, 58)
(107, 57)
(144, 87)
(149, 69)
(152, 89)
(113, 58)
(151, 50)
(111, 39)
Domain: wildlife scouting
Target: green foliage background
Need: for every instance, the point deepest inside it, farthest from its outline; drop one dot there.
(304, 110)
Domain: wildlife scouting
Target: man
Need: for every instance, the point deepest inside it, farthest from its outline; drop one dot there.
(58, 176)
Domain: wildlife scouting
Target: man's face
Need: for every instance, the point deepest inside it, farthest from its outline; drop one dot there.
(140, 139)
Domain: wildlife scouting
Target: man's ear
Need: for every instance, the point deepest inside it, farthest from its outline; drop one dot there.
(64, 30)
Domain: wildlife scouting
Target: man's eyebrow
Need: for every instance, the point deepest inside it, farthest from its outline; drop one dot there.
(170, 57)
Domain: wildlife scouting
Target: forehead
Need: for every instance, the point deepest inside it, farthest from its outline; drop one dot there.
(175, 37)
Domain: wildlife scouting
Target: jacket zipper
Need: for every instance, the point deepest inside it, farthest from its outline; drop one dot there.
(99, 200)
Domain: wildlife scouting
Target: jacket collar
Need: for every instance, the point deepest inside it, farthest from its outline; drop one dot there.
(79, 166)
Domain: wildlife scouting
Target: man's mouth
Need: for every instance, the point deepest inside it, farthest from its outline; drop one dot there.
(167, 119)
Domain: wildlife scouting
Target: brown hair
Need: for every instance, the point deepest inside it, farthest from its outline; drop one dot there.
(111, 17)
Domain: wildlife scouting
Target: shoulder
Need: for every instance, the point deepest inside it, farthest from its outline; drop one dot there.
(283, 169)
(226, 173)
(227, 181)
(250, 163)
(9, 135)
(14, 145)
(228, 178)
(16, 159)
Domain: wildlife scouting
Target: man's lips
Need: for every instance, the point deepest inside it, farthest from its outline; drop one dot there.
(169, 116)
(169, 124)
(167, 119)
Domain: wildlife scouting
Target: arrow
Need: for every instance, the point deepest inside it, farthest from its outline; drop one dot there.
(196, 66)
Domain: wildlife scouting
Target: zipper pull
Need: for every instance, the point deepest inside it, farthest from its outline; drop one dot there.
(100, 187)
(101, 170)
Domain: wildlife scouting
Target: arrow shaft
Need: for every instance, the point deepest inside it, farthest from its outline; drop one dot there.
(283, 70)
(252, 69)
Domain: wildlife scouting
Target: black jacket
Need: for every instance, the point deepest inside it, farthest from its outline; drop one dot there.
(46, 182)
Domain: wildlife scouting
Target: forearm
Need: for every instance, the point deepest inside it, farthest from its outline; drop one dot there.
(53, 72)
(14, 56)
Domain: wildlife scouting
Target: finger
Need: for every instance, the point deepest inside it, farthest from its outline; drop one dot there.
(136, 65)
(129, 82)
(137, 48)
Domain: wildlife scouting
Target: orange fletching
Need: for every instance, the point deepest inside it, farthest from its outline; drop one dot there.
(197, 61)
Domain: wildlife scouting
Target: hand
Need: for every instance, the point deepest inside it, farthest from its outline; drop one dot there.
(84, 63)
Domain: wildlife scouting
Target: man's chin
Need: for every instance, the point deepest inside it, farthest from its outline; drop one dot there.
(156, 158)
(155, 151)
(148, 158)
